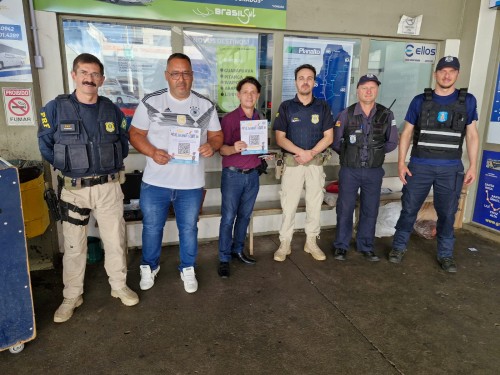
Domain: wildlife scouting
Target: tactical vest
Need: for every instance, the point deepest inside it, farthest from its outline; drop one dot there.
(441, 129)
(76, 155)
(354, 139)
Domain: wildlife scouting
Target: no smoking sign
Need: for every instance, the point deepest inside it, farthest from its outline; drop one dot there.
(18, 106)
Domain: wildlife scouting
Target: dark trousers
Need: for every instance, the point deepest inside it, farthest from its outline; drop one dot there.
(447, 183)
(239, 192)
(369, 182)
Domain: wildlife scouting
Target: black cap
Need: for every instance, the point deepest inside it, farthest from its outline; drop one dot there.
(368, 78)
(448, 62)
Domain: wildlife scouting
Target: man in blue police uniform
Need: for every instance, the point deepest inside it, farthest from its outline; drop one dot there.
(363, 134)
(83, 135)
(304, 129)
(439, 120)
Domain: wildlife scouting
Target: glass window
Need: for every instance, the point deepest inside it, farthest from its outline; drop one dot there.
(400, 79)
(134, 57)
(222, 58)
(335, 61)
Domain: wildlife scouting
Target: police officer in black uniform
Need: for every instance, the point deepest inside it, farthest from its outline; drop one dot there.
(83, 135)
(363, 134)
(438, 120)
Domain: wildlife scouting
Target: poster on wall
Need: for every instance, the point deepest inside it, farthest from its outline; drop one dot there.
(487, 208)
(247, 13)
(18, 105)
(332, 60)
(220, 60)
(494, 128)
(134, 58)
(14, 53)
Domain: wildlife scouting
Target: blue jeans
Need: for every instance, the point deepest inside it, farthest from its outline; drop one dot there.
(447, 182)
(369, 180)
(239, 192)
(155, 202)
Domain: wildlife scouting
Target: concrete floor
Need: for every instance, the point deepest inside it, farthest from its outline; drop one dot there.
(297, 317)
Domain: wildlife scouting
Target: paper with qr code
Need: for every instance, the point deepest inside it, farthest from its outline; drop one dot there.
(254, 134)
(183, 145)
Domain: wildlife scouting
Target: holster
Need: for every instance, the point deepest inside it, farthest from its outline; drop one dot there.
(278, 171)
(52, 203)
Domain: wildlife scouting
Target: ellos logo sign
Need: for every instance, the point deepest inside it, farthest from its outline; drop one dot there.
(420, 53)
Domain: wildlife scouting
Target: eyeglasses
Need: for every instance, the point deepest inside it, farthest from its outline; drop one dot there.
(92, 75)
(177, 75)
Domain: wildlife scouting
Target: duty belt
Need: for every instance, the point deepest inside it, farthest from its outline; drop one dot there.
(242, 171)
(291, 162)
(77, 182)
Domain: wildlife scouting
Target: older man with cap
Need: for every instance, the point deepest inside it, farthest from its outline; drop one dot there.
(439, 120)
(363, 134)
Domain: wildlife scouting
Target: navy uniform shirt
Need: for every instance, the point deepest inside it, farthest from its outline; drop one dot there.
(304, 125)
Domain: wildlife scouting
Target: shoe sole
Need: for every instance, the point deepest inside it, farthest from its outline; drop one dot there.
(314, 256)
(341, 258)
(78, 303)
(146, 287)
(449, 270)
(395, 260)
(280, 259)
(126, 302)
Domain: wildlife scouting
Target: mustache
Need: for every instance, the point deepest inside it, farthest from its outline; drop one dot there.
(89, 83)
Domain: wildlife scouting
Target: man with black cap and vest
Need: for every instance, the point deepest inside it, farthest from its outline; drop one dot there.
(363, 134)
(439, 120)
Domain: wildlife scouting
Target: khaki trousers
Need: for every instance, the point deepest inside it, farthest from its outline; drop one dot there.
(106, 203)
(293, 181)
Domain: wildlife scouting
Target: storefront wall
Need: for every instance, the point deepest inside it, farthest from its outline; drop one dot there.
(451, 25)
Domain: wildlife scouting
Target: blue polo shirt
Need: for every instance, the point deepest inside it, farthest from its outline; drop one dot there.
(413, 114)
(304, 125)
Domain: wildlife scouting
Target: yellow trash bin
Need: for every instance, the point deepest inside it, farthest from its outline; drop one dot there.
(35, 210)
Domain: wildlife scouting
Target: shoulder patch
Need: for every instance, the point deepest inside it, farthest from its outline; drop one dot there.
(124, 124)
(337, 124)
(277, 114)
(45, 122)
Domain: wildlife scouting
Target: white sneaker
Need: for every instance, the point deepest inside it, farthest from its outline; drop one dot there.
(189, 278)
(147, 277)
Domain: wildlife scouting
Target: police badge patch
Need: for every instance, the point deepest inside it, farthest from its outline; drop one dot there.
(442, 116)
(315, 119)
(352, 139)
(110, 127)
(181, 119)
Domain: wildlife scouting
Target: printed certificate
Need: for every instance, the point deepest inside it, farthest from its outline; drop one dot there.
(183, 145)
(254, 134)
